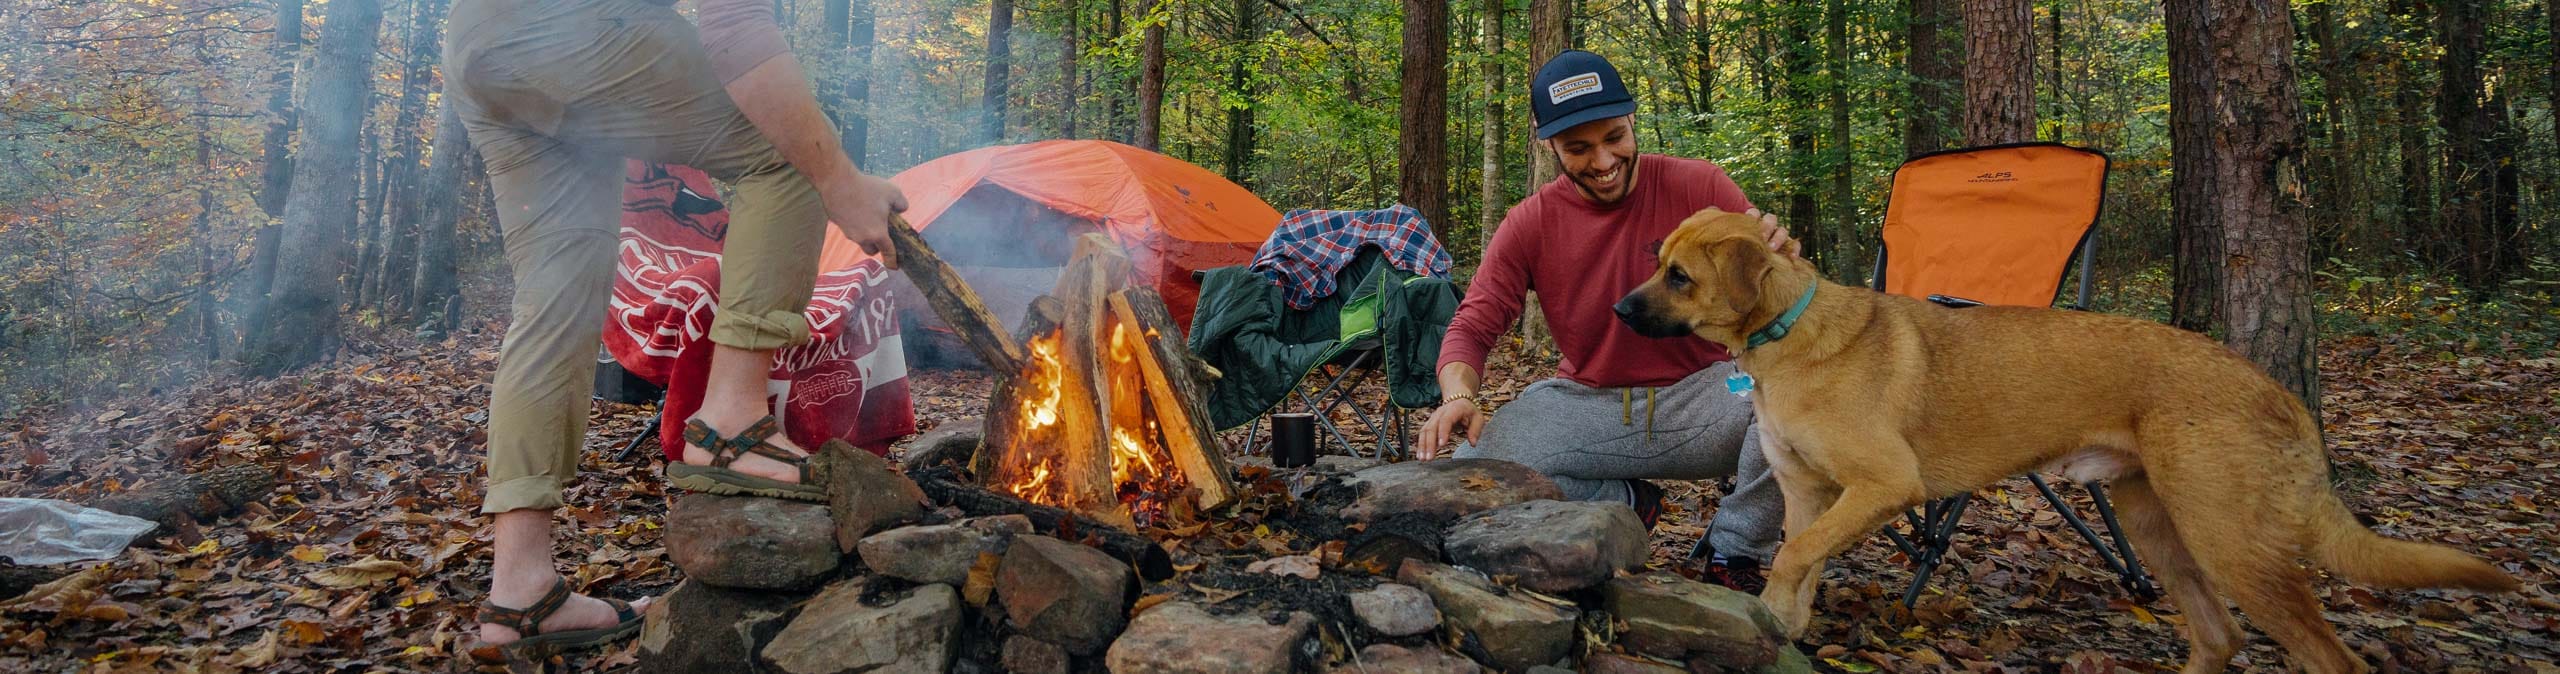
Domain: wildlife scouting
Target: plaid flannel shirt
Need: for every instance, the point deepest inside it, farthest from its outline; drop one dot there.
(1310, 246)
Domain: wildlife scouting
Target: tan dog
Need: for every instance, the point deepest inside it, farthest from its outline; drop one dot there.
(1873, 403)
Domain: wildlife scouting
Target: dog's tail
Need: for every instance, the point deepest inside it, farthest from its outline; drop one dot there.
(2347, 548)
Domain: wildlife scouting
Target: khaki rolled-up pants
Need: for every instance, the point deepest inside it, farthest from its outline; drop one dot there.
(556, 94)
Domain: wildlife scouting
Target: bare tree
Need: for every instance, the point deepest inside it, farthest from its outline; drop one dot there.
(301, 315)
(999, 71)
(1934, 58)
(1151, 80)
(388, 286)
(435, 282)
(2195, 289)
(1422, 129)
(1489, 201)
(1245, 29)
(2257, 156)
(1999, 72)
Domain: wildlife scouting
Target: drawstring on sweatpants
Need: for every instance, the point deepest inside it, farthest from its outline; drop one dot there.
(1627, 410)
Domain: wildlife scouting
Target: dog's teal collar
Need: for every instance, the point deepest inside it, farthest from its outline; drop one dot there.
(1778, 328)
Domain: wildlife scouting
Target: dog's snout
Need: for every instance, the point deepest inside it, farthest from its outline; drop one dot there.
(1626, 309)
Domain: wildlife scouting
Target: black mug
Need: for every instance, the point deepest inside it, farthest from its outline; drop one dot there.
(1293, 439)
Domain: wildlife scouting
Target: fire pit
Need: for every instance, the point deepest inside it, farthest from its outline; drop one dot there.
(1099, 527)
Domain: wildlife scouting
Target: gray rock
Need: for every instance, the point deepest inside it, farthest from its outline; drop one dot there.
(1329, 463)
(864, 494)
(1549, 669)
(1790, 661)
(1446, 488)
(1615, 663)
(952, 442)
(751, 542)
(940, 553)
(701, 628)
(1381, 658)
(1025, 655)
(1517, 632)
(1063, 593)
(1180, 637)
(1396, 610)
(836, 633)
(1672, 617)
(1550, 546)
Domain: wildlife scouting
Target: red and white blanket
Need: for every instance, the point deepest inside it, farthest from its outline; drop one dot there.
(849, 381)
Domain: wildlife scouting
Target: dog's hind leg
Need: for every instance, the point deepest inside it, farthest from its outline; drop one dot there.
(2212, 636)
(2254, 560)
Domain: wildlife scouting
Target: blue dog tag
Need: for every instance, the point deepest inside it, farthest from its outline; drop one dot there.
(1738, 384)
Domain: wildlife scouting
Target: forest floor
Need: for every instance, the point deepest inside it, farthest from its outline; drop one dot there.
(370, 554)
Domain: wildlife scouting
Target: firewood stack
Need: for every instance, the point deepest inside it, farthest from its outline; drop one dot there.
(1100, 409)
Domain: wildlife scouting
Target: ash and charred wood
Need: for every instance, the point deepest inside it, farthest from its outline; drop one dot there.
(177, 499)
(948, 488)
(1181, 402)
(953, 300)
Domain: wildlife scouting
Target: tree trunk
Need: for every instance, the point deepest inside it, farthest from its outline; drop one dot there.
(2470, 184)
(276, 172)
(2419, 232)
(1999, 73)
(208, 322)
(2258, 168)
(2342, 162)
(1796, 59)
(366, 230)
(1151, 80)
(1489, 202)
(1114, 115)
(390, 283)
(2195, 288)
(302, 310)
(1422, 129)
(1239, 156)
(1070, 47)
(1935, 59)
(1844, 229)
(999, 71)
(177, 499)
(434, 280)
(1549, 32)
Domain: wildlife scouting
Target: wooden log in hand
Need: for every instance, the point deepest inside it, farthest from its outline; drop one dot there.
(953, 300)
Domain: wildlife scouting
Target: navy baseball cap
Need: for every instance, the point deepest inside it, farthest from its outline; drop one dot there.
(1574, 88)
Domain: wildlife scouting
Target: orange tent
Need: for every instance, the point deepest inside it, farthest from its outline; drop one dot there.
(1007, 215)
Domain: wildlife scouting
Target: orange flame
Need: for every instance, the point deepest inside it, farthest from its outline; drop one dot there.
(1142, 472)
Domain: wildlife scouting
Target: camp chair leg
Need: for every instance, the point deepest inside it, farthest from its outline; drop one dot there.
(632, 449)
(2118, 553)
(1937, 533)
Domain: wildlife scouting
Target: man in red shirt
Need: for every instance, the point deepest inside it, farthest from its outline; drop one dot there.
(1624, 407)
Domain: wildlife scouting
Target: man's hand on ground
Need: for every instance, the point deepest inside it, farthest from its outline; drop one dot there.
(1776, 236)
(860, 205)
(1444, 423)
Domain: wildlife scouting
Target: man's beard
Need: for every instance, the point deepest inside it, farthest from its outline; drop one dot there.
(1626, 182)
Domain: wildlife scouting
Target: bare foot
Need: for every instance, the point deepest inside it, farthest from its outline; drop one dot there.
(582, 612)
(749, 463)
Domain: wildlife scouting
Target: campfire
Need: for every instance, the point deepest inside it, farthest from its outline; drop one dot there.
(1101, 409)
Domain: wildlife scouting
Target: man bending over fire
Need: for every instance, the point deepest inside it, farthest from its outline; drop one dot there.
(556, 93)
(1624, 407)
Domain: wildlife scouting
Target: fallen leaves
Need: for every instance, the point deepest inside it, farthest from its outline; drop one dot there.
(363, 573)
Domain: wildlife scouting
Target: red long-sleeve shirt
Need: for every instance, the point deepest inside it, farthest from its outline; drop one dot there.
(1581, 257)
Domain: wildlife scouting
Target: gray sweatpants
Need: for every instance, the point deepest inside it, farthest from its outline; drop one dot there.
(1592, 441)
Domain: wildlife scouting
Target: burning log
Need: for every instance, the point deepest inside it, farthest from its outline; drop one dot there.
(1174, 384)
(946, 488)
(953, 300)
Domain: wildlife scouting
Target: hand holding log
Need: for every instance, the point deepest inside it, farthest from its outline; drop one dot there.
(953, 300)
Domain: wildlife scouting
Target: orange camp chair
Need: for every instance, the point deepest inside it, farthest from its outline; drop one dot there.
(1997, 225)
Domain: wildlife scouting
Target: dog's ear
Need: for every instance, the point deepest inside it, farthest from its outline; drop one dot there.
(1744, 263)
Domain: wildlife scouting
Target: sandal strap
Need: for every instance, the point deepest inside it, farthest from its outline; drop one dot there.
(753, 440)
(525, 621)
(703, 435)
(621, 610)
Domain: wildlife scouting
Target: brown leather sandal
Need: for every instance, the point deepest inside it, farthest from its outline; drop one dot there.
(527, 622)
(718, 478)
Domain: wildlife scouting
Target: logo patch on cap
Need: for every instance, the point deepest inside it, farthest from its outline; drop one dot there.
(1578, 85)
